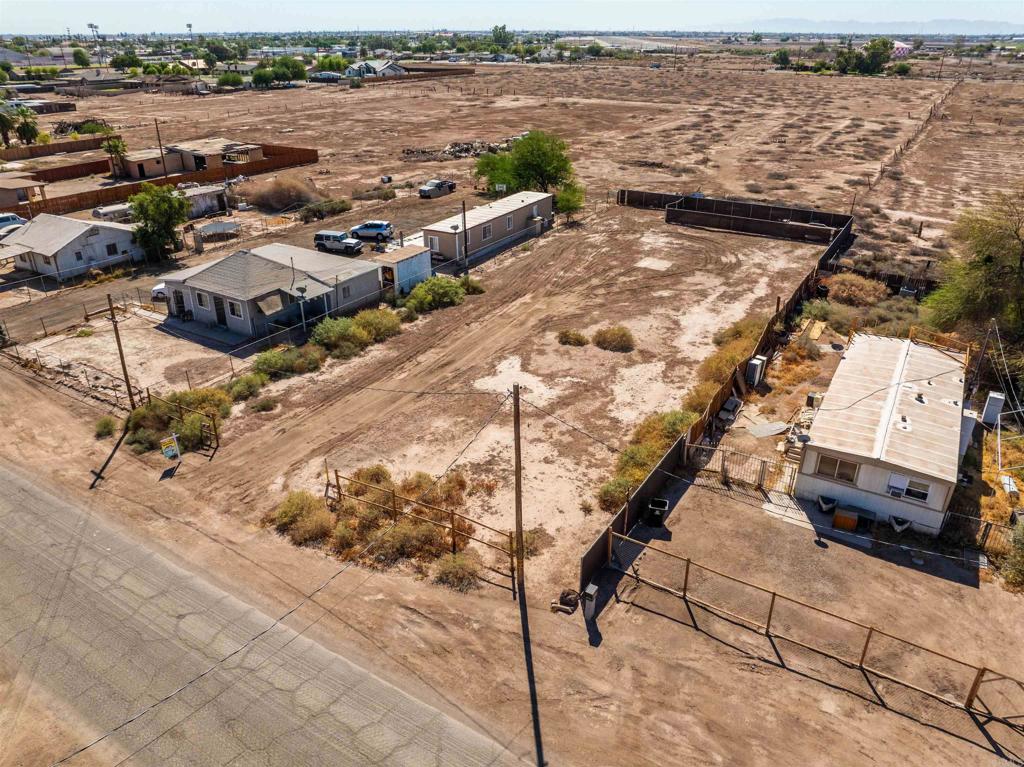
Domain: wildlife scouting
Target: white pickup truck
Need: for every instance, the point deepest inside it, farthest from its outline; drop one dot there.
(437, 188)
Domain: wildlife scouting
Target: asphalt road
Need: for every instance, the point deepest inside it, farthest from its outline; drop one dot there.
(92, 618)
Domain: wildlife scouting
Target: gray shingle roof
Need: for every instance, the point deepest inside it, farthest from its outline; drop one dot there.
(46, 234)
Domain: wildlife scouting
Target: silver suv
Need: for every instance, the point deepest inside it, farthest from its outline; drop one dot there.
(374, 230)
(337, 242)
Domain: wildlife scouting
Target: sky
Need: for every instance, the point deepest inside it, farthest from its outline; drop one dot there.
(113, 16)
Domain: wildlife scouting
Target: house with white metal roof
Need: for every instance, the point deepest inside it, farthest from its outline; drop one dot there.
(490, 227)
(375, 68)
(254, 292)
(891, 431)
(63, 247)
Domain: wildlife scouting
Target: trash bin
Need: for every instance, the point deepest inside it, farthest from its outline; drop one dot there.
(657, 509)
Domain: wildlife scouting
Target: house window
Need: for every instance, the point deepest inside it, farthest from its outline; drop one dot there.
(836, 468)
(508, 223)
(78, 255)
(23, 259)
(46, 259)
(202, 300)
(111, 248)
(234, 309)
(901, 486)
(487, 232)
(346, 291)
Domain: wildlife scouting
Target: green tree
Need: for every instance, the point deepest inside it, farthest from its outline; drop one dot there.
(877, 53)
(918, 43)
(756, 37)
(26, 127)
(220, 51)
(541, 161)
(159, 211)
(569, 199)
(781, 58)
(502, 37)
(262, 78)
(497, 169)
(989, 280)
(241, 50)
(332, 63)
(8, 122)
(594, 49)
(117, 150)
(125, 60)
(1013, 568)
(80, 57)
(229, 79)
(901, 68)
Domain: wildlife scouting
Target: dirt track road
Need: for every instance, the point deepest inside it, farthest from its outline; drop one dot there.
(93, 620)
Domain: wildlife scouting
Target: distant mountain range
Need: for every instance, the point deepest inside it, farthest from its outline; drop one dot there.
(932, 27)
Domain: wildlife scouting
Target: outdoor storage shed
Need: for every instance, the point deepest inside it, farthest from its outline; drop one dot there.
(402, 269)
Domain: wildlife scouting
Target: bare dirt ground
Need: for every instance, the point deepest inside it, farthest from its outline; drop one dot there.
(690, 699)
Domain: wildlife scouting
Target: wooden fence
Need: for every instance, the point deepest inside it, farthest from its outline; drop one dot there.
(56, 147)
(277, 157)
(979, 690)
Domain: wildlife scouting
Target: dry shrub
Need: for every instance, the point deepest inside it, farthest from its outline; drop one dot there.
(615, 338)
(313, 525)
(803, 348)
(572, 338)
(854, 290)
(698, 398)
(535, 540)
(301, 505)
(277, 194)
(106, 426)
(460, 572)
(750, 328)
(720, 366)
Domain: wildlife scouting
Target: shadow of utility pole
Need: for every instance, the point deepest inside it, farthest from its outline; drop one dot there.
(524, 620)
(98, 475)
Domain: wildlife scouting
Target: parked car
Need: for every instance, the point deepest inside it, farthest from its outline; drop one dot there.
(326, 77)
(374, 230)
(7, 219)
(7, 231)
(159, 292)
(437, 188)
(337, 242)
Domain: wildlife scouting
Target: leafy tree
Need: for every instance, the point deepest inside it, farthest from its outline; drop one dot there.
(497, 168)
(918, 43)
(877, 53)
(26, 128)
(756, 37)
(502, 37)
(8, 122)
(80, 57)
(989, 282)
(594, 49)
(286, 69)
(781, 58)
(819, 47)
(3, 77)
(262, 78)
(230, 79)
(209, 59)
(220, 51)
(332, 63)
(569, 199)
(541, 161)
(126, 60)
(117, 149)
(159, 211)
(241, 50)
(902, 68)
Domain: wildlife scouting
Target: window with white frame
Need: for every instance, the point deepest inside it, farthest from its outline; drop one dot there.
(901, 486)
(487, 232)
(836, 468)
(235, 309)
(202, 300)
(508, 223)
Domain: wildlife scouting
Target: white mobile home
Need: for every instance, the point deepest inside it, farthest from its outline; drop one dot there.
(63, 247)
(490, 227)
(887, 437)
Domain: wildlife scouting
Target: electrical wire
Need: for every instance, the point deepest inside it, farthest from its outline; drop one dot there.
(256, 637)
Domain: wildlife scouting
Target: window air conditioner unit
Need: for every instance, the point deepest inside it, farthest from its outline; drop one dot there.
(755, 369)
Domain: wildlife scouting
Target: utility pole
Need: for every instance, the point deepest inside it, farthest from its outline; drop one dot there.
(160, 144)
(120, 352)
(520, 574)
(465, 237)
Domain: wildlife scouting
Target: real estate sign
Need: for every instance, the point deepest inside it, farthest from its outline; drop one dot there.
(169, 447)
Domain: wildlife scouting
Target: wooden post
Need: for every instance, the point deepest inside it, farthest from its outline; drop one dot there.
(867, 641)
(973, 693)
(44, 327)
(216, 431)
(188, 380)
(768, 623)
(120, 352)
(181, 414)
(232, 365)
(611, 543)
(454, 534)
(512, 561)
(337, 484)
(686, 578)
(520, 574)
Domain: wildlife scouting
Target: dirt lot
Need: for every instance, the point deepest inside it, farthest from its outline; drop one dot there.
(639, 687)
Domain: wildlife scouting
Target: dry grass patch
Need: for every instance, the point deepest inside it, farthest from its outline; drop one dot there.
(572, 338)
(854, 290)
(615, 338)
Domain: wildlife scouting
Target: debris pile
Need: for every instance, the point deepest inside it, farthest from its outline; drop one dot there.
(458, 150)
(67, 127)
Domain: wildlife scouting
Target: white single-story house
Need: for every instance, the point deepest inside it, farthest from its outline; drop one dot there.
(255, 292)
(490, 227)
(888, 438)
(241, 67)
(403, 268)
(375, 68)
(63, 247)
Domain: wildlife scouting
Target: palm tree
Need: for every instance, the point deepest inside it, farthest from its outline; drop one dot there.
(26, 128)
(117, 149)
(7, 124)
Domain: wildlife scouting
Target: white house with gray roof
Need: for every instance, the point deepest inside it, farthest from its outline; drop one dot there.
(375, 68)
(251, 291)
(63, 247)
(890, 433)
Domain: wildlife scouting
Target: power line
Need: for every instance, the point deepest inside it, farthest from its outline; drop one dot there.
(306, 598)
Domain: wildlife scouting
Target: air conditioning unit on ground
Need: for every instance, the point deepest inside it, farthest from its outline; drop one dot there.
(755, 369)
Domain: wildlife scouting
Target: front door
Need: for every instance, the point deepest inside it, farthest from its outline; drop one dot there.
(218, 307)
(179, 302)
(142, 170)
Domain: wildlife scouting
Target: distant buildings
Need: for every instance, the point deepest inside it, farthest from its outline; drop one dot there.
(375, 68)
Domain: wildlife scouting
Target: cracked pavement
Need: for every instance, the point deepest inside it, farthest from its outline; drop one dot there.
(92, 618)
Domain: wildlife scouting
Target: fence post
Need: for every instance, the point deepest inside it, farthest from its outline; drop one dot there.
(512, 562)
(611, 540)
(761, 474)
(188, 380)
(686, 578)
(867, 640)
(44, 327)
(454, 534)
(973, 693)
(768, 623)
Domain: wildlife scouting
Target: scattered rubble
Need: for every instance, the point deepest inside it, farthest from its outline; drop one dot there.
(458, 150)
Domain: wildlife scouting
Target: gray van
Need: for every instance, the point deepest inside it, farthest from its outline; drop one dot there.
(337, 242)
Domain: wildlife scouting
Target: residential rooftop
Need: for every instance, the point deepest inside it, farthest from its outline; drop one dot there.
(897, 401)
(485, 213)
